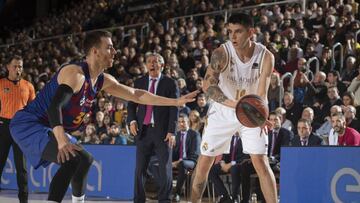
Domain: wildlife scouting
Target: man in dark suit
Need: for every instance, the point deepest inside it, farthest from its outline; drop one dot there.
(305, 136)
(154, 128)
(277, 136)
(239, 166)
(185, 152)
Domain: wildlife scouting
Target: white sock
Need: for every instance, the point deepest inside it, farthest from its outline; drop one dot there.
(78, 199)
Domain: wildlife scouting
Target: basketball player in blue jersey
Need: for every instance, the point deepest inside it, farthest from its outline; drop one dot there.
(41, 128)
(238, 67)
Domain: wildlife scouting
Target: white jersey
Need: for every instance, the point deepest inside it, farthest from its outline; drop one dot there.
(238, 78)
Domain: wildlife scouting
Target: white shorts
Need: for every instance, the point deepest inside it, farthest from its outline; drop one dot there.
(221, 125)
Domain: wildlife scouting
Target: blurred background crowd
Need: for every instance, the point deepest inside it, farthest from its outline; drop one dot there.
(186, 39)
(316, 49)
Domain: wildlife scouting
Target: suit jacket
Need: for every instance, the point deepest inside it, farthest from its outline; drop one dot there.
(165, 117)
(239, 155)
(314, 140)
(283, 139)
(192, 145)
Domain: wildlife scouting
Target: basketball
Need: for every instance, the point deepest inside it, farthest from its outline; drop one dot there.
(252, 111)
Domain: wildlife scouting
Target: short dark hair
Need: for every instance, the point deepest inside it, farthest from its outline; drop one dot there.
(335, 73)
(274, 113)
(306, 121)
(14, 57)
(184, 116)
(93, 39)
(242, 19)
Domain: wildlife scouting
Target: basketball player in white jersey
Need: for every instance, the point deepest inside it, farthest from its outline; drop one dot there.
(238, 67)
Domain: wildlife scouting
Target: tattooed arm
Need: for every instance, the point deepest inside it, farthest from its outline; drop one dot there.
(210, 87)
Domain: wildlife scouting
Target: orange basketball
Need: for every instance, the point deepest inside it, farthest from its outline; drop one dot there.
(252, 111)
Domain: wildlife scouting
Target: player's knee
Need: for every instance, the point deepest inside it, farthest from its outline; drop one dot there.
(85, 158)
(88, 159)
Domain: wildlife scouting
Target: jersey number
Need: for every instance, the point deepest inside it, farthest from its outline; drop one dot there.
(79, 118)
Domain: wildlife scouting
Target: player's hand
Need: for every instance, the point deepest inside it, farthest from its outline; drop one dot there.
(304, 77)
(170, 139)
(267, 125)
(65, 150)
(225, 167)
(134, 128)
(175, 163)
(187, 98)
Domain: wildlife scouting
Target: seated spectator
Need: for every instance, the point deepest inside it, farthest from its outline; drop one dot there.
(185, 152)
(349, 99)
(274, 91)
(334, 80)
(293, 109)
(199, 83)
(333, 99)
(202, 105)
(285, 123)
(351, 120)
(308, 113)
(185, 61)
(107, 121)
(293, 57)
(299, 82)
(182, 86)
(316, 90)
(305, 137)
(120, 112)
(240, 168)
(192, 76)
(350, 71)
(325, 128)
(342, 135)
(101, 104)
(196, 123)
(90, 136)
(325, 60)
(315, 39)
(278, 136)
(99, 124)
(115, 135)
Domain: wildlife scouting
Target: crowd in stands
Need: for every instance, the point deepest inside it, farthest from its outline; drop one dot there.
(186, 44)
(318, 99)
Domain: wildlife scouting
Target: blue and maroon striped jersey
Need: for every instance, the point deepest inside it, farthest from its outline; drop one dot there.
(73, 112)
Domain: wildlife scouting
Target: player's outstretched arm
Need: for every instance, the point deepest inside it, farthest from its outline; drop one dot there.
(211, 88)
(113, 87)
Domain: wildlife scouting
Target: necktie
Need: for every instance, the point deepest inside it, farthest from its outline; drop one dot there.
(274, 136)
(303, 142)
(181, 153)
(234, 148)
(149, 108)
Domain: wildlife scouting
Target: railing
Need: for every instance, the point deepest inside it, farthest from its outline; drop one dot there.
(226, 13)
(333, 63)
(283, 77)
(356, 35)
(317, 63)
(144, 31)
(142, 26)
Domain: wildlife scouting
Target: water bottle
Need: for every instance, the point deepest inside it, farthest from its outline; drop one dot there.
(253, 198)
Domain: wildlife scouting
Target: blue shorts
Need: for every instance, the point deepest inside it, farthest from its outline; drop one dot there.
(32, 136)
